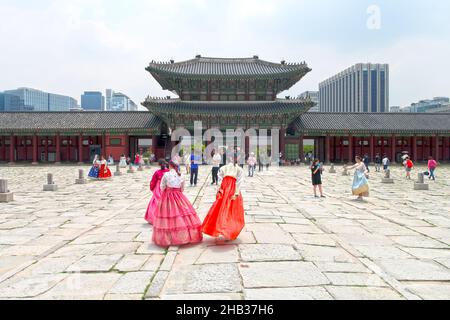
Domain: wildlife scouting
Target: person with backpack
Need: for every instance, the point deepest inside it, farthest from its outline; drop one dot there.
(409, 165)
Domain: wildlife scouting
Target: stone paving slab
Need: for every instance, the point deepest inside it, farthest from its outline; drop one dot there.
(91, 241)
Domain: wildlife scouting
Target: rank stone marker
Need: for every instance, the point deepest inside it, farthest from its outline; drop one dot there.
(387, 178)
(131, 169)
(332, 169)
(118, 173)
(5, 195)
(50, 186)
(420, 184)
(81, 179)
(345, 172)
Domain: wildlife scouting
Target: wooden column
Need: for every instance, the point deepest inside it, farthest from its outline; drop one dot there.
(327, 150)
(68, 148)
(58, 149)
(154, 144)
(301, 148)
(46, 149)
(436, 150)
(80, 149)
(341, 149)
(393, 148)
(350, 149)
(3, 149)
(414, 148)
(11, 149)
(383, 151)
(372, 148)
(35, 150)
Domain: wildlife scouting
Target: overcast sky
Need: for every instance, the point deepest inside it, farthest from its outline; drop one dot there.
(71, 46)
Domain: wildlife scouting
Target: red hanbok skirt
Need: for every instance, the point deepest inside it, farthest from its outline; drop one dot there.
(226, 217)
(104, 172)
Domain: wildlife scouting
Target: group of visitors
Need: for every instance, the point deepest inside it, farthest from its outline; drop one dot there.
(99, 169)
(174, 219)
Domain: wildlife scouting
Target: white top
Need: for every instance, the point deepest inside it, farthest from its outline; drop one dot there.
(216, 160)
(187, 159)
(385, 161)
(236, 172)
(171, 179)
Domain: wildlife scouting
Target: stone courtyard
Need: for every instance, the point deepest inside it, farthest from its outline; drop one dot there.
(91, 241)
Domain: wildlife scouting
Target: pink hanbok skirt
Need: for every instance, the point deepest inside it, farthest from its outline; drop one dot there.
(153, 205)
(176, 222)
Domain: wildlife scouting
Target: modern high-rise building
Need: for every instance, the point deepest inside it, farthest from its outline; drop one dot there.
(314, 96)
(108, 98)
(121, 102)
(93, 101)
(362, 88)
(27, 99)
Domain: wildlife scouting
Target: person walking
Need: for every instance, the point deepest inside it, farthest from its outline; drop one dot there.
(187, 162)
(251, 165)
(226, 216)
(386, 163)
(195, 161)
(360, 186)
(432, 165)
(316, 170)
(216, 161)
(378, 162)
(176, 222)
(409, 165)
(367, 162)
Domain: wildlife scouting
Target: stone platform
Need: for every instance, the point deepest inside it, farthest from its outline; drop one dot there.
(91, 241)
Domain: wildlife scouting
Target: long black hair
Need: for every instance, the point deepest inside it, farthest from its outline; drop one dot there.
(176, 167)
(163, 164)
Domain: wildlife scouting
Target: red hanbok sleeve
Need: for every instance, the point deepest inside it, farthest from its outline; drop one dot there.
(154, 182)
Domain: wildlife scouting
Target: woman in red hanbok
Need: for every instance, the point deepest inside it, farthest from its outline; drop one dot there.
(176, 222)
(104, 172)
(226, 217)
(155, 188)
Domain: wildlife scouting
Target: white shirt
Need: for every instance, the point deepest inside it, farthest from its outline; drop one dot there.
(171, 179)
(385, 161)
(216, 160)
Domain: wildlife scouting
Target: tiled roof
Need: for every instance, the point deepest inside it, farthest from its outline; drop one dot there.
(232, 67)
(374, 122)
(73, 121)
(228, 108)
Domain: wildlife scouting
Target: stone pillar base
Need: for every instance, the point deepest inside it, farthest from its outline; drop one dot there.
(57, 163)
(11, 163)
(421, 186)
(387, 181)
(34, 163)
(6, 197)
(80, 181)
(50, 187)
(80, 163)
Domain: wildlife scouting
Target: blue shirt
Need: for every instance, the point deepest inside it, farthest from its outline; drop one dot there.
(195, 161)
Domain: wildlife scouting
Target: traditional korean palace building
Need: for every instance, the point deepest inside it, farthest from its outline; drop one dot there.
(223, 94)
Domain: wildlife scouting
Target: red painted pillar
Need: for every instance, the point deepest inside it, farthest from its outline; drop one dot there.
(372, 148)
(414, 148)
(68, 148)
(350, 149)
(80, 149)
(11, 149)
(104, 147)
(327, 149)
(46, 149)
(301, 148)
(341, 149)
(58, 149)
(393, 148)
(447, 149)
(436, 144)
(35, 151)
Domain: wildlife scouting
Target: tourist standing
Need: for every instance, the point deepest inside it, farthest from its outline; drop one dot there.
(432, 165)
(137, 159)
(367, 162)
(104, 172)
(360, 186)
(316, 170)
(409, 165)
(110, 160)
(386, 163)
(176, 222)
(226, 216)
(123, 161)
(93, 173)
(216, 161)
(155, 188)
(195, 161)
(251, 165)
(378, 162)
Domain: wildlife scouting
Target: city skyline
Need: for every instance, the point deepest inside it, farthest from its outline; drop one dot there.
(118, 41)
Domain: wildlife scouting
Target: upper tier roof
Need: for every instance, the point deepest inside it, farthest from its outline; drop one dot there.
(227, 68)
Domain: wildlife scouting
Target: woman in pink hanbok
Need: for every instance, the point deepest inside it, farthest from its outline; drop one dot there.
(176, 222)
(155, 188)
